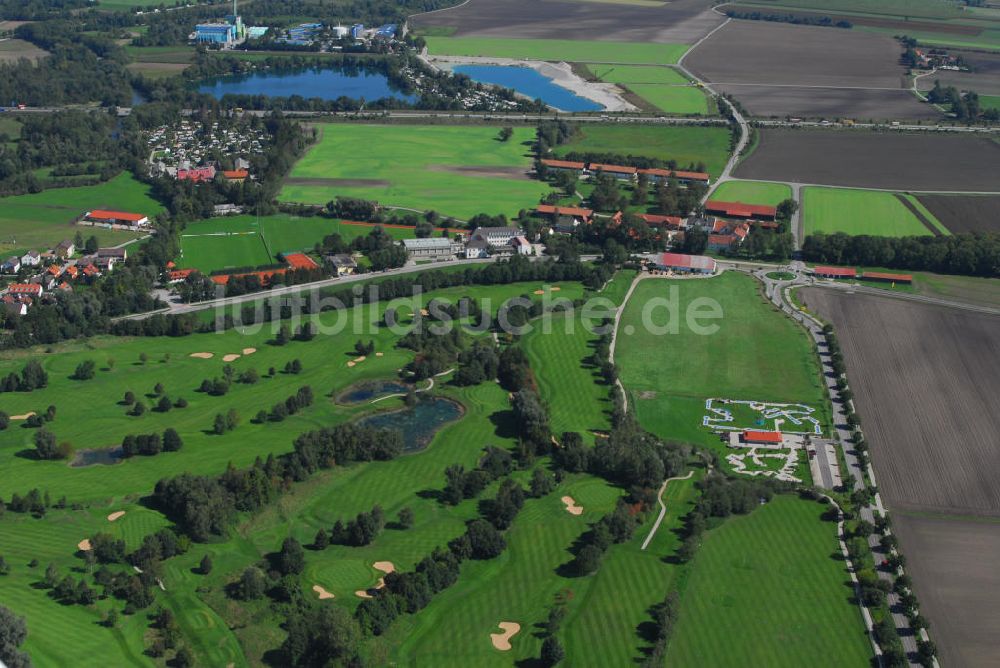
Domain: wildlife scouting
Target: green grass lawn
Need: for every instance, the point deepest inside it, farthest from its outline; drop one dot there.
(757, 353)
(752, 192)
(441, 168)
(44, 219)
(990, 101)
(770, 589)
(558, 49)
(686, 145)
(861, 212)
(673, 99)
(638, 74)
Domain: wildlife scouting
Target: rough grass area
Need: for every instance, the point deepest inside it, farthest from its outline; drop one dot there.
(686, 145)
(44, 219)
(770, 589)
(640, 74)
(752, 192)
(859, 212)
(456, 170)
(756, 353)
(558, 50)
(673, 99)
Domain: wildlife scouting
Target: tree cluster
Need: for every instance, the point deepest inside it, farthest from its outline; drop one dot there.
(976, 254)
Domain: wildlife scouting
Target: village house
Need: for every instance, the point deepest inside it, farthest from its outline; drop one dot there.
(31, 259)
(11, 266)
(342, 263)
(24, 290)
(65, 249)
(196, 174)
(476, 249)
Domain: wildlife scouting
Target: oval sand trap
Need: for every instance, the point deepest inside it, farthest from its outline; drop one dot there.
(384, 566)
(502, 640)
(22, 417)
(203, 356)
(230, 357)
(359, 359)
(350, 364)
(362, 593)
(249, 351)
(323, 593)
(84, 545)
(115, 515)
(571, 506)
(379, 354)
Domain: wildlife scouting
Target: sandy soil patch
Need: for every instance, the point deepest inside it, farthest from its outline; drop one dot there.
(571, 506)
(249, 351)
(118, 514)
(501, 641)
(362, 593)
(556, 288)
(230, 357)
(84, 545)
(539, 292)
(22, 417)
(323, 593)
(203, 356)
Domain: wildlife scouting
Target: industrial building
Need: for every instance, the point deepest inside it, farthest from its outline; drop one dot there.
(224, 34)
(436, 248)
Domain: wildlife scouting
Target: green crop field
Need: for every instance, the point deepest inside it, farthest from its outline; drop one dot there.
(686, 145)
(770, 589)
(638, 74)
(862, 212)
(456, 170)
(558, 49)
(752, 192)
(756, 354)
(990, 101)
(44, 219)
(673, 99)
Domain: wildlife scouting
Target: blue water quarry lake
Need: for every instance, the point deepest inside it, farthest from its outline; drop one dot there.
(530, 83)
(326, 84)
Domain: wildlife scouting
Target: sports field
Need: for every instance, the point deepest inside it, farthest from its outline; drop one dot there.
(40, 221)
(579, 51)
(456, 170)
(756, 354)
(770, 589)
(752, 192)
(686, 145)
(865, 212)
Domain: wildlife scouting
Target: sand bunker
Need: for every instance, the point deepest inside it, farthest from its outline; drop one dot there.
(116, 515)
(571, 506)
(230, 357)
(323, 594)
(384, 566)
(539, 292)
(424, 311)
(203, 356)
(84, 545)
(249, 351)
(350, 364)
(556, 289)
(501, 641)
(359, 360)
(379, 354)
(22, 417)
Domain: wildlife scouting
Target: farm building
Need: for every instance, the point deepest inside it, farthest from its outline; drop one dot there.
(740, 210)
(437, 248)
(117, 218)
(691, 264)
(118, 254)
(31, 259)
(521, 246)
(476, 249)
(556, 213)
(564, 165)
(887, 278)
(342, 263)
(683, 177)
(235, 175)
(622, 172)
(655, 220)
(835, 272)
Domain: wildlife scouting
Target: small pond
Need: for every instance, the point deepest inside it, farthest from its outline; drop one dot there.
(418, 424)
(367, 390)
(530, 83)
(326, 84)
(103, 456)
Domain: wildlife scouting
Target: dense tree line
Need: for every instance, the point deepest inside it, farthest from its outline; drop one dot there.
(797, 19)
(461, 484)
(151, 444)
(976, 254)
(614, 528)
(965, 105)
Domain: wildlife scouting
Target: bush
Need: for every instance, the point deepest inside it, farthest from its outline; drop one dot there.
(84, 370)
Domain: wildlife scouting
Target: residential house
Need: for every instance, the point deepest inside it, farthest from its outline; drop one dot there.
(522, 246)
(342, 263)
(31, 259)
(25, 290)
(11, 266)
(235, 175)
(65, 249)
(476, 249)
(117, 254)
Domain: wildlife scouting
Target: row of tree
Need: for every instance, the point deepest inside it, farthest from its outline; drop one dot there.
(976, 254)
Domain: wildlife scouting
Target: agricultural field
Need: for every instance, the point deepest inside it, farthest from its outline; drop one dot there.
(984, 77)
(779, 69)
(965, 213)
(638, 74)
(557, 50)
(674, 99)
(871, 212)
(678, 22)
(752, 192)
(756, 354)
(44, 219)
(458, 171)
(686, 145)
(890, 161)
(782, 563)
(13, 50)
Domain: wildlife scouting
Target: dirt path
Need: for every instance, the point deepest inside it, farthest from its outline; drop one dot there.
(663, 507)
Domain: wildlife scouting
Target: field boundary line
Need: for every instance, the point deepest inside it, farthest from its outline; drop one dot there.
(663, 507)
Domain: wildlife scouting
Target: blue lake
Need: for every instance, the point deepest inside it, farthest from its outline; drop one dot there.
(531, 83)
(326, 84)
(418, 424)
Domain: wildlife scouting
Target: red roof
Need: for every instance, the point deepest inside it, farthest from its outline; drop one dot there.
(564, 210)
(720, 240)
(739, 209)
(881, 276)
(299, 261)
(24, 289)
(180, 274)
(654, 219)
(563, 164)
(836, 272)
(682, 261)
(102, 214)
(235, 173)
(615, 169)
(196, 174)
(264, 276)
(171, 264)
(753, 436)
(667, 173)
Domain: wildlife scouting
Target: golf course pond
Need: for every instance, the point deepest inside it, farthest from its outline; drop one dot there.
(369, 390)
(419, 423)
(102, 456)
(530, 83)
(322, 83)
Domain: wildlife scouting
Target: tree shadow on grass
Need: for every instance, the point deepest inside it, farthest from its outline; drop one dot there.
(28, 453)
(505, 426)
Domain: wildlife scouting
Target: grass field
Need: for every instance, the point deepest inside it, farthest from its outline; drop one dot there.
(752, 192)
(757, 353)
(990, 101)
(770, 589)
(558, 49)
(673, 99)
(686, 145)
(638, 74)
(44, 219)
(862, 212)
(456, 170)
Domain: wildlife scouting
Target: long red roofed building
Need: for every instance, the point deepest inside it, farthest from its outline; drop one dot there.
(693, 264)
(117, 218)
(740, 210)
(835, 272)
